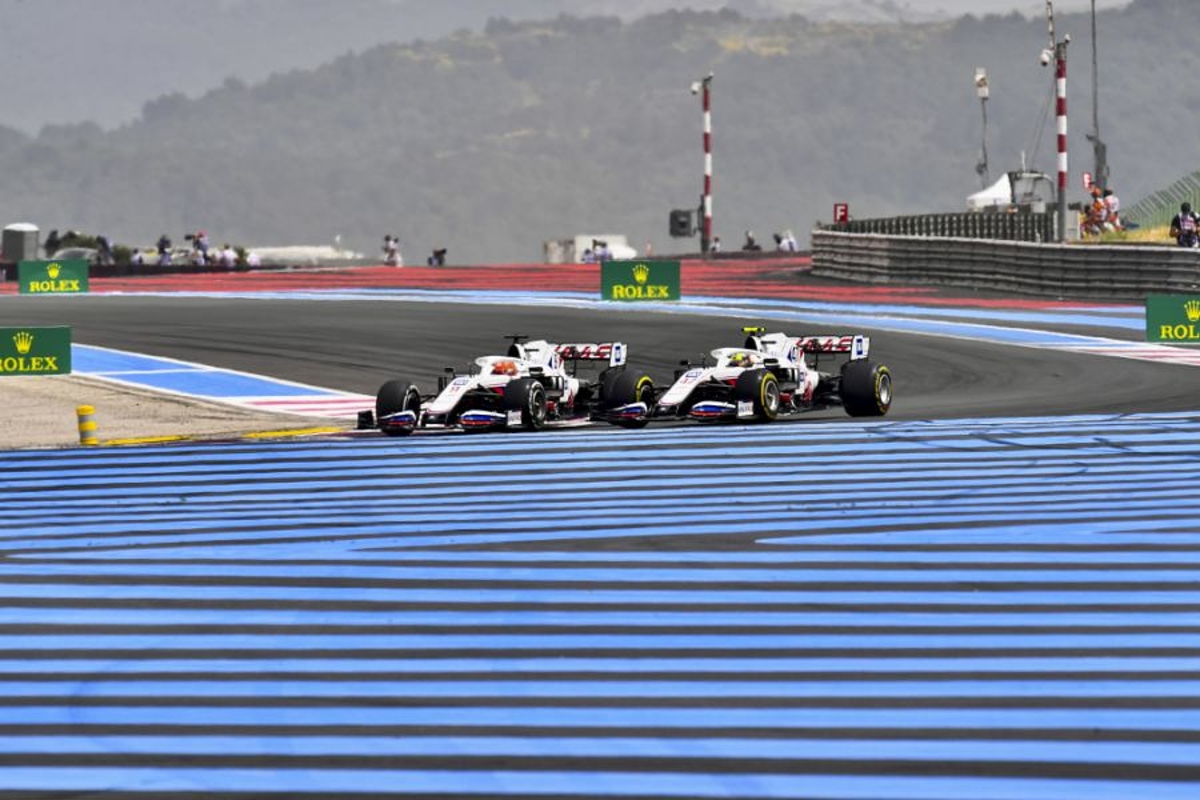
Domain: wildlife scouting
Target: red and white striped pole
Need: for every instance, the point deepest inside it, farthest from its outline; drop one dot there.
(706, 207)
(1058, 50)
(1060, 82)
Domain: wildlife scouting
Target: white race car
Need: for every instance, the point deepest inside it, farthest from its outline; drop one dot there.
(535, 383)
(770, 375)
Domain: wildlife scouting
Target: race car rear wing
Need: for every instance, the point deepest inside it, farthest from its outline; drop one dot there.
(615, 353)
(855, 345)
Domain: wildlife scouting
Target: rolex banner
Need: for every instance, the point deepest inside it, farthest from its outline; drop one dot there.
(53, 277)
(35, 351)
(639, 280)
(1173, 318)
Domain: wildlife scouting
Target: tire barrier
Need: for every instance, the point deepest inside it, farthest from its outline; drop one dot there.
(1111, 272)
(1025, 227)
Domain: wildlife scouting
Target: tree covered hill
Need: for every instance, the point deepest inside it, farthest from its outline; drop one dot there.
(490, 143)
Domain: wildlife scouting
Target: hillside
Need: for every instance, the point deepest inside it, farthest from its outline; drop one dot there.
(489, 143)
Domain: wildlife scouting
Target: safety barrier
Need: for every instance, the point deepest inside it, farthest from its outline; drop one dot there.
(1017, 227)
(87, 425)
(1050, 270)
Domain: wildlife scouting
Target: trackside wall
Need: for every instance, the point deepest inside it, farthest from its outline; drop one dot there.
(1051, 270)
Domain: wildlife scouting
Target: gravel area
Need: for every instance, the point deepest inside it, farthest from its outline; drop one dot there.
(40, 412)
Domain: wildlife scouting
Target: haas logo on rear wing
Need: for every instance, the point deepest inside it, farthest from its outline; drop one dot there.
(856, 346)
(614, 353)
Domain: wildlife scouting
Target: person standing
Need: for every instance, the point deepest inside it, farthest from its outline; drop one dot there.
(164, 251)
(1112, 205)
(1185, 227)
(391, 251)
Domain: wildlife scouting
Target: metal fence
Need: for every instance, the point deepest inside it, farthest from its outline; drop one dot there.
(1010, 227)
(1157, 209)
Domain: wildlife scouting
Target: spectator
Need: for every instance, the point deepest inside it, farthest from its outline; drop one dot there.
(602, 252)
(164, 251)
(751, 244)
(589, 257)
(1112, 205)
(199, 254)
(202, 243)
(438, 257)
(1096, 215)
(391, 251)
(136, 259)
(228, 256)
(1184, 226)
(789, 242)
(253, 260)
(715, 245)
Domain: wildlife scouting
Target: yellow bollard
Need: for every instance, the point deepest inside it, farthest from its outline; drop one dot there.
(87, 426)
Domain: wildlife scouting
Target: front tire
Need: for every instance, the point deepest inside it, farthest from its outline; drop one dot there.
(393, 397)
(866, 388)
(529, 397)
(761, 387)
(626, 388)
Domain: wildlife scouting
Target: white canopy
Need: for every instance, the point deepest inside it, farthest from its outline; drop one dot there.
(998, 194)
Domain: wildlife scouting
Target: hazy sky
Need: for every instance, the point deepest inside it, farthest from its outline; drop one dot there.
(71, 61)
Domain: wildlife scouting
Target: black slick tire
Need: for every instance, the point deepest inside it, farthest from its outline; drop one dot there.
(761, 387)
(393, 397)
(529, 397)
(866, 388)
(625, 388)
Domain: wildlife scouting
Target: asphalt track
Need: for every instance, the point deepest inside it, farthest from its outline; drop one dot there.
(952, 603)
(354, 345)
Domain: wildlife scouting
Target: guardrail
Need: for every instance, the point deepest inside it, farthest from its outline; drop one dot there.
(1013, 227)
(1048, 270)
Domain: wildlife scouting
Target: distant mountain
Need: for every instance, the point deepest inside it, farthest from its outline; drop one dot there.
(490, 143)
(100, 60)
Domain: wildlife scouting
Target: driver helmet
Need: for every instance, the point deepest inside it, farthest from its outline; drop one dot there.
(504, 368)
(741, 360)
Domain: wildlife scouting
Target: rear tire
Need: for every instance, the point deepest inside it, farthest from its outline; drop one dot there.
(529, 397)
(393, 397)
(762, 388)
(627, 387)
(866, 388)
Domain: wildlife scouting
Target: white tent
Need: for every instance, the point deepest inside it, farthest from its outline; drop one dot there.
(998, 194)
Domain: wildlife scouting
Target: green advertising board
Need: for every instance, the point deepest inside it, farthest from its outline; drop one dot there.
(639, 280)
(1173, 318)
(53, 277)
(35, 351)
